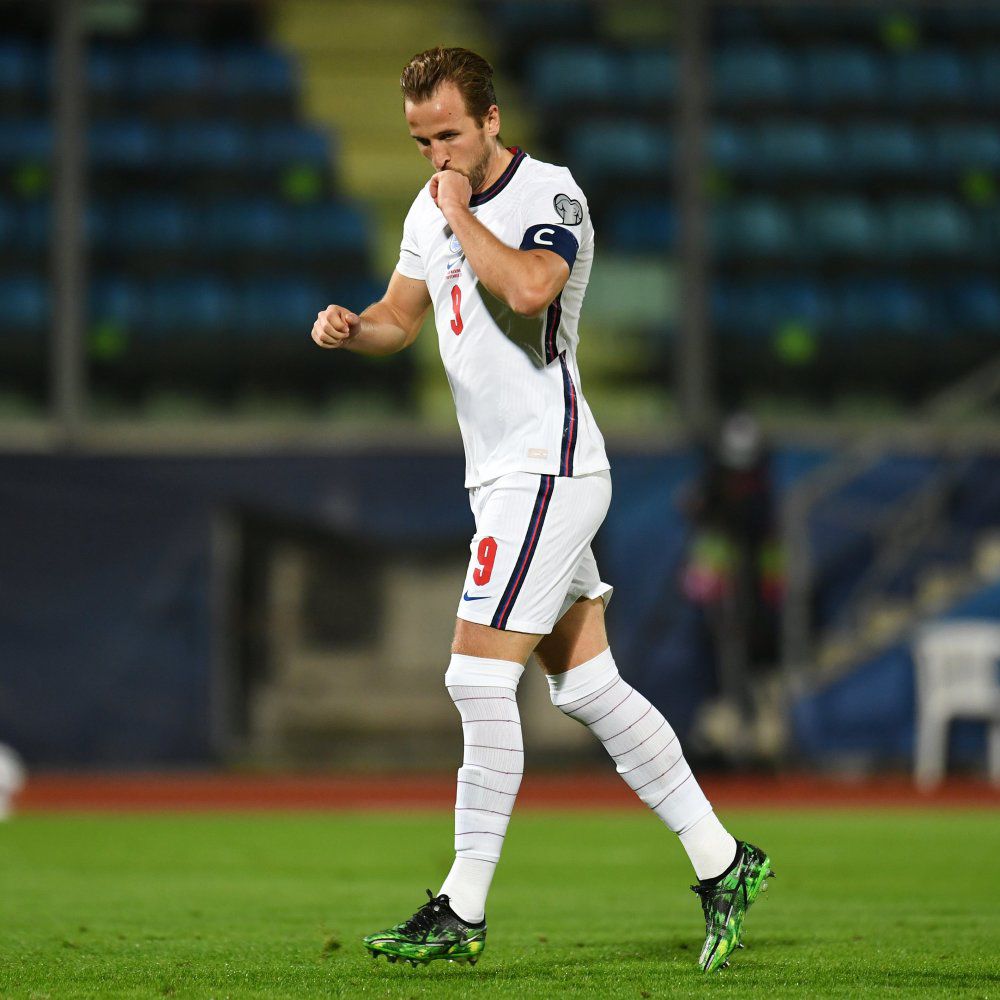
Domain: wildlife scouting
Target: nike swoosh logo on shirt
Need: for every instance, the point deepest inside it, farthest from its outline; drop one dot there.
(465, 597)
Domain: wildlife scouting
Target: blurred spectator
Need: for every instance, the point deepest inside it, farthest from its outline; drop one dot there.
(734, 573)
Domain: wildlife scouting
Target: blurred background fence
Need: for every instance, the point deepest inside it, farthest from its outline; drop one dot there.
(217, 541)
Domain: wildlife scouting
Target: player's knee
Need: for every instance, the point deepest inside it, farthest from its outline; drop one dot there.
(570, 689)
(480, 671)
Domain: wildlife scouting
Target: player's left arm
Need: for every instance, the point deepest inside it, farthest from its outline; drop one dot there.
(527, 280)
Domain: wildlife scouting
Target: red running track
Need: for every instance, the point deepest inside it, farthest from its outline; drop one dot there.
(196, 791)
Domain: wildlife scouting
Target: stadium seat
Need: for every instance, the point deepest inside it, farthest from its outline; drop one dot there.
(931, 77)
(9, 228)
(871, 305)
(207, 145)
(277, 305)
(754, 74)
(933, 226)
(116, 300)
(842, 76)
(179, 306)
(133, 144)
(966, 147)
(153, 223)
(330, 227)
(729, 147)
(988, 76)
(754, 227)
(562, 74)
(248, 71)
(24, 304)
(642, 226)
(25, 141)
(801, 147)
(759, 308)
(958, 676)
(840, 225)
(974, 305)
(107, 71)
(884, 148)
(35, 224)
(286, 144)
(246, 224)
(163, 68)
(21, 67)
(648, 76)
(616, 148)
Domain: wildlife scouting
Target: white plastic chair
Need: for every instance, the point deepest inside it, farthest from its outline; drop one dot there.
(958, 676)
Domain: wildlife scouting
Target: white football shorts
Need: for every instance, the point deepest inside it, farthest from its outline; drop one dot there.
(531, 555)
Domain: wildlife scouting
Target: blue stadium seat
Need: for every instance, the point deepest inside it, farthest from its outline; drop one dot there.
(116, 300)
(620, 148)
(283, 145)
(729, 147)
(843, 76)
(178, 306)
(572, 73)
(888, 147)
(207, 145)
(931, 76)
(35, 225)
(974, 305)
(329, 227)
(277, 305)
(153, 223)
(753, 227)
(9, 227)
(966, 147)
(800, 147)
(642, 226)
(107, 70)
(24, 304)
(248, 71)
(133, 144)
(759, 308)
(157, 69)
(988, 76)
(887, 305)
(246, 224)
(933, 227)
(25, 141)
(840, 225)
(753, 74)
(648, 76)
(21, 67)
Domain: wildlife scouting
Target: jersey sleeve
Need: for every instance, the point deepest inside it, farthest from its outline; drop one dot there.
(553, 215)
(411, 264)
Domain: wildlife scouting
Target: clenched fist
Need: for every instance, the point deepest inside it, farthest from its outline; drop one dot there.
(335, 326)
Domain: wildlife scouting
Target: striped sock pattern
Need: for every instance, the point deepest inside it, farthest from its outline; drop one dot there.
(484, 692)
(638, 738)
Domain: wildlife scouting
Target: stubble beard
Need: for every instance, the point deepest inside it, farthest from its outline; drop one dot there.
(479, 170)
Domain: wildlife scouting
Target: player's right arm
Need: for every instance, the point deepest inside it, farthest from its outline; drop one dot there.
(385, 327)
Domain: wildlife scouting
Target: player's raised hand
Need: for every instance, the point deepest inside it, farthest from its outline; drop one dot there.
(450, 189)
(335, 326)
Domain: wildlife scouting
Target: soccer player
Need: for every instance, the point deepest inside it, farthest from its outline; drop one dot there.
(500, 246)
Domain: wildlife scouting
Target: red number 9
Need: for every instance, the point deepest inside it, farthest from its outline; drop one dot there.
(456, 304)
(486, 554)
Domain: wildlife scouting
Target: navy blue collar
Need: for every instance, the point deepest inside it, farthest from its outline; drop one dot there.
(502, 181)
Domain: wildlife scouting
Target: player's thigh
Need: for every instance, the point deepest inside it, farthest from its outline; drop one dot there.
(473, 639)
(577, 637)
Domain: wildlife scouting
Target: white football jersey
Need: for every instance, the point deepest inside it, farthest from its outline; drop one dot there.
(515, 380)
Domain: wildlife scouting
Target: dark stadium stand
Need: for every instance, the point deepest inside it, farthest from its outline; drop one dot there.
(214, 218)
(853, 161)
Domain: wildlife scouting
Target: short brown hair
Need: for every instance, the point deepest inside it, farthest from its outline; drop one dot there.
(468, 71)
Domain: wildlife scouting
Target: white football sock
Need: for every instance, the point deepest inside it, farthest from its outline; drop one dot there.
(648, 756)
(484, 694)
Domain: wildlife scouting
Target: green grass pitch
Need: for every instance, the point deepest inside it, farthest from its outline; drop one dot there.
(584, 905)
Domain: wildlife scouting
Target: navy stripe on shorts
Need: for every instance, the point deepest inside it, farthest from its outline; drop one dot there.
(516, 581)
